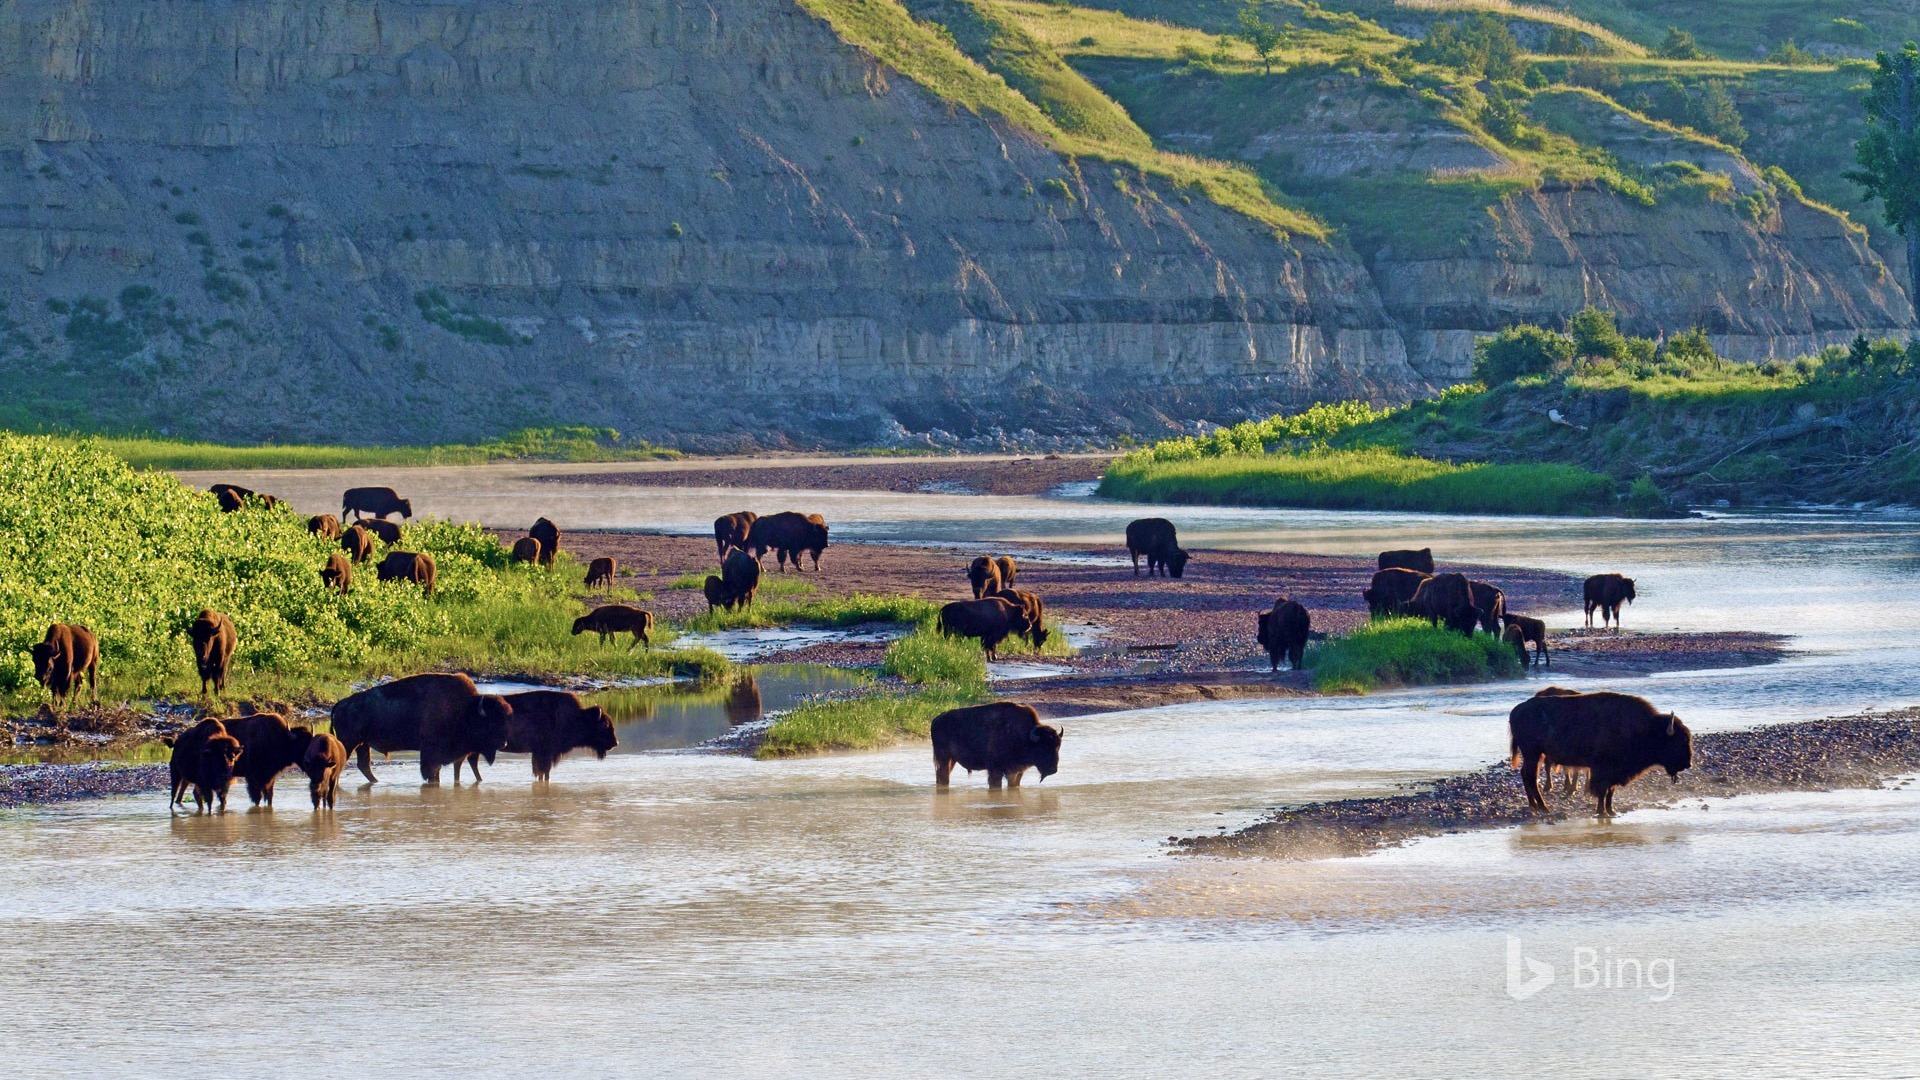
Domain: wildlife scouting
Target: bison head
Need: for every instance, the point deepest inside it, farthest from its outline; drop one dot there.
(582, 624)
(1676, 749)
(1626, 589)
(1266, 620)
(594, 730)
(43, 662)
(218, 757)
(406, 508)
(1046, 748)
(488, 723)
(1177, 562)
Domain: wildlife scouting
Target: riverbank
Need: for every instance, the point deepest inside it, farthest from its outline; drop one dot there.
(1864, 750)
(943, 475)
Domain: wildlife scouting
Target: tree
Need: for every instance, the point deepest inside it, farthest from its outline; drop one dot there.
(1596, 336)
(1889, 153)
(1480, 44)
(1260, 35)
(1681, 46)
(1718, 116)
(1519, 350)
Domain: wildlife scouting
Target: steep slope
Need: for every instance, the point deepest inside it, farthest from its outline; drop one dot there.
(431, 220)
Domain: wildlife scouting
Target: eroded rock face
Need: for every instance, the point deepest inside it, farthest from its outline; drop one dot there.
(408, 221)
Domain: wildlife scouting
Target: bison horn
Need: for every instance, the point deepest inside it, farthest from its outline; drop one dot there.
(1671, 720)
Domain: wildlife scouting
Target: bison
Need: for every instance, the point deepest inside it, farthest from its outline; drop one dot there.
(1490, 602)
(1615, 737)
(443, 716)
(1283, 631)
(273, 745)
(1606, 592)
(1155, 538)
(549, 724)
(741, 573)
(1004, 738)
(1531, 631)
(1007, 570)
(983, 574)
(787, 534)
(611, 619)
(1446, 598)
(731, 531)
(185, 764)
(357, 543)
(715, 590)
(1517, 639)
(1420, 562)
(378, 501)
(1392, 591)
(213, 640)
(323, 762)
(386, 531)
(525, 550)
(337, 574)
(413, 566)
(1033, 610)
(210, 770)
(992, 620)
(549, 536)
(231, 497)
(324, 526)
(600, 572)
(63, 657)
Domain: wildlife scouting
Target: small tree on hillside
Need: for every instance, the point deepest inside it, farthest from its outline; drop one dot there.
(1517, 351)
(1263, 37)
(1719, 116)
(1889, 153)
(1681, 46)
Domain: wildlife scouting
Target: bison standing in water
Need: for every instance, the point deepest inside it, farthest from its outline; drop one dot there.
(1391, 591)
(413, 566)
(1420, 562)
(203, 760)
(1157, 540)
(443, 716)
(1283, 632)
(1004, 738)
(549, 536)
(1616, 737)
(549, 724)
(1605, 593)
(787, 534)
(63, 657)
(272, 745)
(992, 620)
(731, 531)
(323, 762)
(378, 501)
(213, 640)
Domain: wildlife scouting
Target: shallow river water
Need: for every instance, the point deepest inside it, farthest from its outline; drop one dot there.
(682, 913)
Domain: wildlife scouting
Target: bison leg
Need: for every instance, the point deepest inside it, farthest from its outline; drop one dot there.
(1013, 778)
(942, 771)
(365, 761)
(993, 780)
(1530, 778)
(1135, 556)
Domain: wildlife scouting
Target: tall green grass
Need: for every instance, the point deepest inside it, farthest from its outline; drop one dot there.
(851, 609)
(861, 723)
(1407, 652)
(529, 444)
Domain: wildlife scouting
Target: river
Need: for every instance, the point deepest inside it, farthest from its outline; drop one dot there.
(677, 913)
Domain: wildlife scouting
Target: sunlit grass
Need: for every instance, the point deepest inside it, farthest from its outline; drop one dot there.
(542, 444)
(865, 723)
(850, 609)
(1407, 652)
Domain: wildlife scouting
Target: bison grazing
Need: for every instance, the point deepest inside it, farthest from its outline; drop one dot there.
(337, 574)
(357, 543)
(1032, 609)
(63, 657)
(612, 619)
(1446, 598)
(1606, 592)
(385, 531)
(1420, 562)
(272, 745)
(715, 590)
(1615, 737)
(1392, 591)
(1004, 738)
(324, 526)
(411, 566)
(992, 620)
(1491, 603)
(741, 573)
(1517, 639)
(213, 640)
(983, 574)
(1531, 631)
(441, 715)
(600, 572)
(525, 550)
(232, 497)
(378, 501)
(323, 762)
(1283, 631)
(1155, 538)
(549, 536)
(787, 534)
(549, 724)
(731, 531)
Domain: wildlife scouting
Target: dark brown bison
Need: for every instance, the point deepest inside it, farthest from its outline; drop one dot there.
(213, 640)
(1392, 591)
(741, 573)
(337, 574)
(1606, 592)
(983, 574)
(715, 590)
(231, 497)
(1490, 602)
(378, 501)
(549, 536)
(357, 543)
(1007, 570)
(1615, 737)
(992, 620)
(273, 745)
(525, 550)
(1004, 738)
(413, 566)
(323, 762)
(384, 531)
(549, 724)
(441, 715)
(68, 653)
(324, 526)
(1531, 631)
(787, 534)
(1517, 639)
(188, 748)
(731, 531)
(1283, 631)
(1446, 598)
(1155, 538)
(1033, 610)
(1420, 562)
(611, 619)
(600, 572)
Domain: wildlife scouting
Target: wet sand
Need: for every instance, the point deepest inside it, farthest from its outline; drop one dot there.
(947, 475)
(1815, 755)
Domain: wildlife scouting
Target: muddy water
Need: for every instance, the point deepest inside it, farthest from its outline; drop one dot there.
(690, 914)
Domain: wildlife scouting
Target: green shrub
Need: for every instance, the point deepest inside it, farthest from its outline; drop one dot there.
(1518, 351)
(928, 656)
(1388, 653)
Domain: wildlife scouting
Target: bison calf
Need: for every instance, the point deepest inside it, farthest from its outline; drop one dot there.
(324, 526)
(337, 574)
(526, 550)
(1004, 738)
(323, 762)
(1283, 632)
(213, 640)
(357, 543)
(600, 572)
(1532, 631)
(611, 619)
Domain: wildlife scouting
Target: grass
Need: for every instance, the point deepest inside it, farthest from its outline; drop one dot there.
(865, 723)
(850, 609)
(527, 444)
(1407, 652)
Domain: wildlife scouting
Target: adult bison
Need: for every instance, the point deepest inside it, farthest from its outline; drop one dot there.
(610, 619)
(417, 567)
(1155, 538)
(384, 531)
(600, 572)
(337, 574)
(324, 526)
(203, 760)
(549, 536)
(1004, 738)
(357, 543)
(377, 501)
(992, 620)
(1283, 632)
(68, 653)
(441, 715)
(1007, 570)
(1420, 561)
(525, 550)
(787, 534)
(1490, 602)
(231, 497)
(214, 640)
(1605, 593)
(1615, 737)
(323, 762)
(272, 745)
(1532, 631)
(983, 573)
(1446, 598)
(731, 531)
(1391, 591)
(549, 724)
(741, 574)
(1032, 609)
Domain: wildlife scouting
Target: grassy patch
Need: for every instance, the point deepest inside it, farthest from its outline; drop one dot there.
(862, 723)
(928, 656)
(848, 610)
(527, 444)
(1407, 652)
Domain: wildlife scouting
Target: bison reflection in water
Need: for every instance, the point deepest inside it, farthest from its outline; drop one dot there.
(1005, 738)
